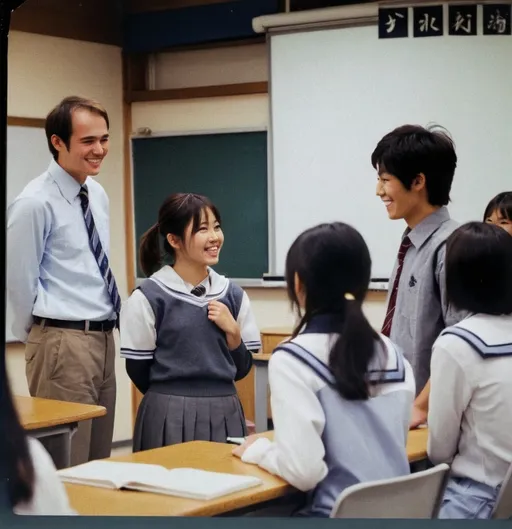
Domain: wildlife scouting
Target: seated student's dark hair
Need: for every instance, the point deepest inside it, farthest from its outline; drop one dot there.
(175, 214)
(479, 269)
(15, 461)
(332, 260)
(410, 150)
(502, 203)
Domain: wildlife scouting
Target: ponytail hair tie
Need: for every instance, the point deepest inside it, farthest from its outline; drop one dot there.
(349, 296)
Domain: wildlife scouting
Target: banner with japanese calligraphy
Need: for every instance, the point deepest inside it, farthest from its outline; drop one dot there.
(458, 20)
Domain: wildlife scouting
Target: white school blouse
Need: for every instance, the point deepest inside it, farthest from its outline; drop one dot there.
(470, 408)
(138, 322)
(49, 495)
(297, 453)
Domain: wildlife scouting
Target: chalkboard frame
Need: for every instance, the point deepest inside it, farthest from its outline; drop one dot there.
(143, 133)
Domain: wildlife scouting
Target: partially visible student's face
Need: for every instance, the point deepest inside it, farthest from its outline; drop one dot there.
(203, 247)
(299, 291)
(88, 145)
(399, 202)
(498, 219)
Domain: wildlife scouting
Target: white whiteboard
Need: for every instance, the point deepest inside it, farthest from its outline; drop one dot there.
(336, 92)
(27, 157)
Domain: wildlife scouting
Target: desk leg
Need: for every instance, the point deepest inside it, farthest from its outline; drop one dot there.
(261, 396)
(66, 446)
(64, 433)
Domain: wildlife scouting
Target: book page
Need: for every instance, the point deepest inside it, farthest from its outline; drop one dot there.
(193, 483)
(111, 474)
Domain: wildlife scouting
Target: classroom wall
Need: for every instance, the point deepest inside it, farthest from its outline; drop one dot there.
(95, 70)
(43, 70)
(216, 66)
(226, 65)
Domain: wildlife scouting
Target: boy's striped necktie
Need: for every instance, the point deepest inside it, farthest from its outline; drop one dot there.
(388, 320)
(97, 250)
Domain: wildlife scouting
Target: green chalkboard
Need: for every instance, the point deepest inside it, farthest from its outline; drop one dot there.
(230, 169)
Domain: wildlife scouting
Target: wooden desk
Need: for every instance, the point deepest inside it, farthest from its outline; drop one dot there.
(417, 445)
(271, 337)
(197, 454)
(46, 417)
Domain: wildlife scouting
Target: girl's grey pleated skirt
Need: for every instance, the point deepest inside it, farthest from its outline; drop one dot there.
(164, 420)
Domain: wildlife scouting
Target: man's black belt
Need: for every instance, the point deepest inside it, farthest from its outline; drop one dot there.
(105, 325)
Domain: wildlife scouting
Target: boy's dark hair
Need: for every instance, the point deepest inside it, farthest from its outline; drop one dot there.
(479, 269)
(60, 119)
(332, 260)
(410, 150)
(502, 203)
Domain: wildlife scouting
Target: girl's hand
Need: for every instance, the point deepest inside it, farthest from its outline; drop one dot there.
(418, 417)
(220, 315)
(239, 450)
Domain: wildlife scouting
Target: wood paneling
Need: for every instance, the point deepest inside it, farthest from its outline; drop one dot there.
(128, 197)
(250, 41)
(137, 396)
(271, 338)
(88, 20)
(198, 92)
(134, 72)
(245, 390)
(37, 123)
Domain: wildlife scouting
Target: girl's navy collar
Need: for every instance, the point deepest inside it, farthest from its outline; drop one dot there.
(323, 324)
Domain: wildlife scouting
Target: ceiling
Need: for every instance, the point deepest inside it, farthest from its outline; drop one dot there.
(102, 20)
(92, 20)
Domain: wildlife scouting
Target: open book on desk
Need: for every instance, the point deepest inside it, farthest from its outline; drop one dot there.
(183, 482)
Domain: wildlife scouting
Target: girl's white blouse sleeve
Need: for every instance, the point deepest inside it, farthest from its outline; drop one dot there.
(137, 328)
(297, 452)
(248, 327)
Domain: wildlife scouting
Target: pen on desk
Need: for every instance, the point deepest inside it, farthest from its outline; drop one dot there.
(236, 440)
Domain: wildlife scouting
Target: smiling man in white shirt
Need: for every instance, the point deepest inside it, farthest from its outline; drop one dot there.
(63, 294)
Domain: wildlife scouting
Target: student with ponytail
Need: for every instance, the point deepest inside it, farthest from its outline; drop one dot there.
(186, 332)
(341, 393)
